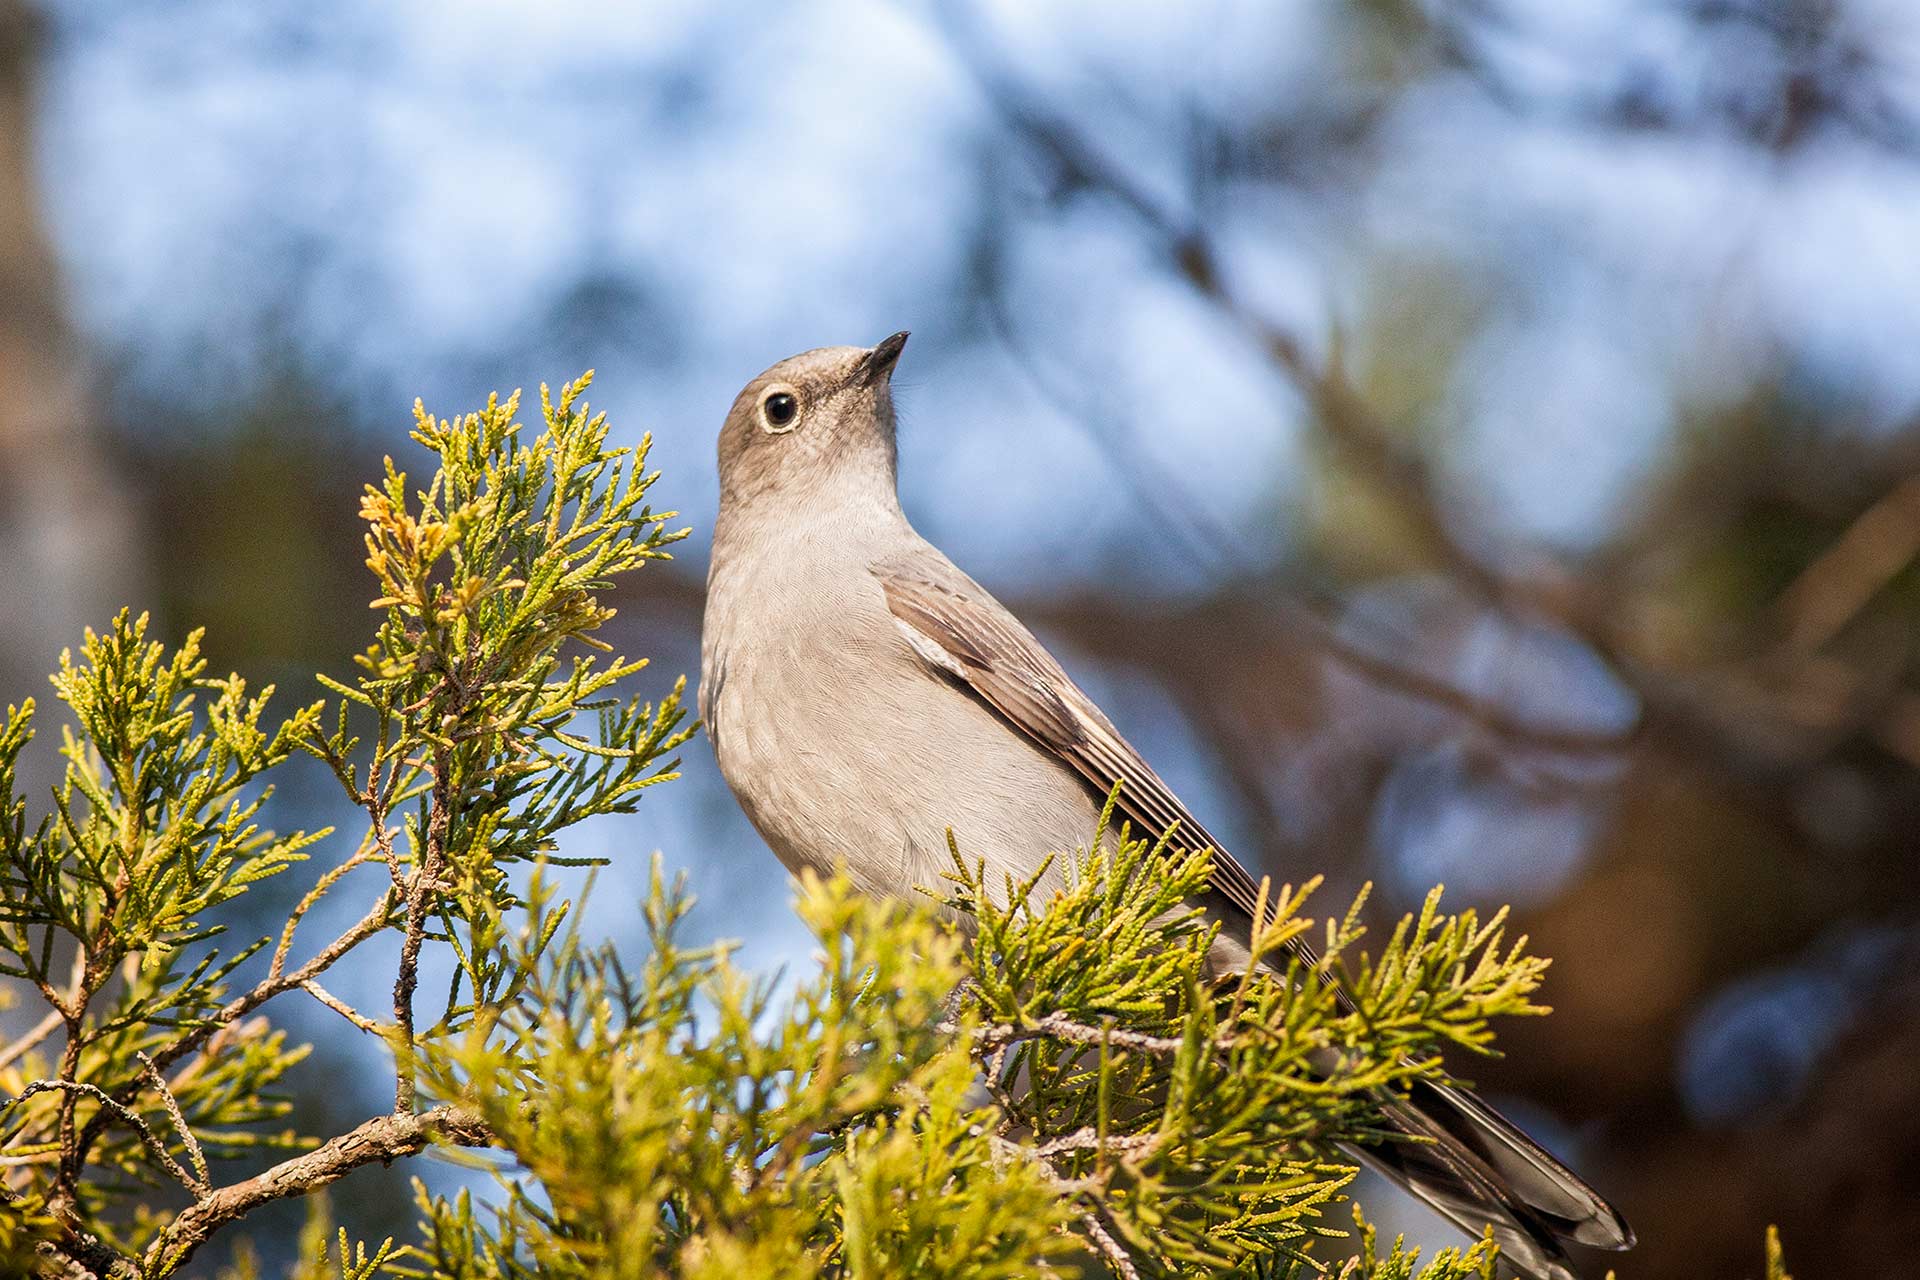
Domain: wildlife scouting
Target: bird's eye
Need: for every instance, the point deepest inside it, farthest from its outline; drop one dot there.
(780, 410)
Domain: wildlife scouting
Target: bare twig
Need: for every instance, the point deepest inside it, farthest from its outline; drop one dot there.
(361, 856)
(78, 1254)
(1057, 1026)
(313, 988)
(1112, 1250)
(420, 887)
(1009, 1149)
(267, 988)
(1830, 592)
(73, 1141)
(203, 1184)
(238, 1007)
(381, 1139)
(1086, 1138)
(157, 1148)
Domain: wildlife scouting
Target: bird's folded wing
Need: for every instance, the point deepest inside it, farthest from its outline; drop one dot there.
(1469, 1162)
(957, 627)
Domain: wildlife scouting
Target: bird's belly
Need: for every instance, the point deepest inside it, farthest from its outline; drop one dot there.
(867, 769)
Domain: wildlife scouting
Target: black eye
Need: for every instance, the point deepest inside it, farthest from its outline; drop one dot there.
(780, 408)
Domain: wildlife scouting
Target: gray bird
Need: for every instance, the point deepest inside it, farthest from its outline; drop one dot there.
(863, 696)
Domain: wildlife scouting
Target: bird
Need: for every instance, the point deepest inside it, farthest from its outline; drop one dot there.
(864, 697)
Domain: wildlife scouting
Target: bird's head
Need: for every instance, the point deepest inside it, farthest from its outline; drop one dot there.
(823, 413)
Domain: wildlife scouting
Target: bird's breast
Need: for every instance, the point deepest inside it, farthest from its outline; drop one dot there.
(847, 751)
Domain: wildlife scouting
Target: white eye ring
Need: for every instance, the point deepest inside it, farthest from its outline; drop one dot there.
(779, 410)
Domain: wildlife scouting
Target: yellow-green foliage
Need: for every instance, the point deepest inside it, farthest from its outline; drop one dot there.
(982, 1084)
(1195, 1115)
(682, 1119)
(1049, 1081)
(483, 724)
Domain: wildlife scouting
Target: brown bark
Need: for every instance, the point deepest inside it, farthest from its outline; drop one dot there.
(383, 1139)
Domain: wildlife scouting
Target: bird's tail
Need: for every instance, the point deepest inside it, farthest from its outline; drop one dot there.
(1478, 1169)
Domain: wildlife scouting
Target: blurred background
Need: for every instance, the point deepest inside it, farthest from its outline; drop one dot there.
(1465, 441)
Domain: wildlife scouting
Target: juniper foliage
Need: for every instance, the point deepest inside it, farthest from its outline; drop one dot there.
(483, 723)
(987, 1083)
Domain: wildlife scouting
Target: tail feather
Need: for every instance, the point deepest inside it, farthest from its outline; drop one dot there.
(1535, 1177)
(1525, 1248)
(1480, 1171)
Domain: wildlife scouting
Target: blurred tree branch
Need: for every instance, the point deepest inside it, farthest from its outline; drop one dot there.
(1821, 702)
(1830, 71)
(68, 540)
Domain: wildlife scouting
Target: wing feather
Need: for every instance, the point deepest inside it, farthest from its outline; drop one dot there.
(1003, 663)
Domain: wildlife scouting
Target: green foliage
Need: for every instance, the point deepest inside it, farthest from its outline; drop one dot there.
(1399, 1262)
(104, 904)
(483, 723)
(1195, 1115)
(475, 690)
(993, 1084)
(150, 828)
(680, 1121)
(152, 824)
(22, 1231)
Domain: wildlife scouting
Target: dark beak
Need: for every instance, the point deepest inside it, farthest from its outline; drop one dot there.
(878, 366)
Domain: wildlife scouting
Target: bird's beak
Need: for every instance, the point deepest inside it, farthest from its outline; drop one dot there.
(878, 366)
